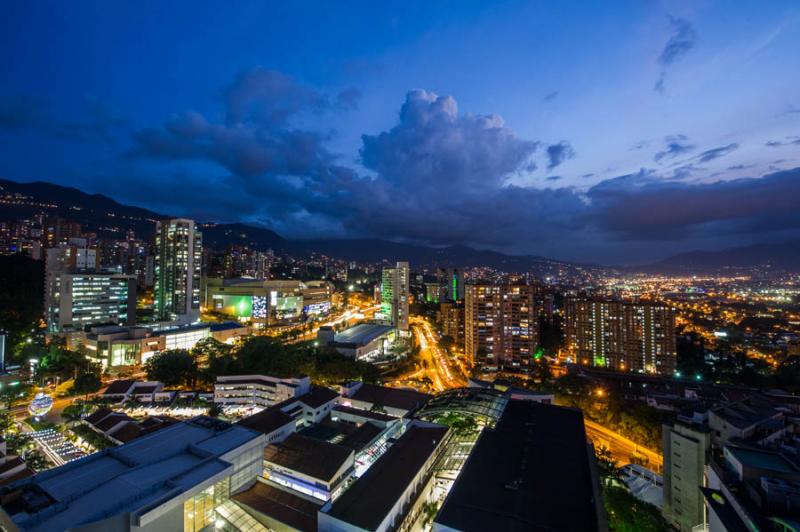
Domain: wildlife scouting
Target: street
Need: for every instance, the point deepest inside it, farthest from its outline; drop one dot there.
(622, 449)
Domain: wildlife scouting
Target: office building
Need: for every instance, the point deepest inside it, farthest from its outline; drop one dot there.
(501, 326)
(78, 300)
(175, 479)
(620, 335)
(687, 449)
(451, 284)
(114, 346)
(258, 390)
(394, 295)
(178, 268)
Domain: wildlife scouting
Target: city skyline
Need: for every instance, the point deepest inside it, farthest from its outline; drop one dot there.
(611, 135)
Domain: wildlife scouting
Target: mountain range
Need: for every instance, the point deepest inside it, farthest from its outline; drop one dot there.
(108, 218)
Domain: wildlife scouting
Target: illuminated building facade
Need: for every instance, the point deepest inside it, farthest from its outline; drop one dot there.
(451, 317)
(178, 266)
(394, 295)
(620, 335)
(501, 326)
(451, 284)
(78, 300)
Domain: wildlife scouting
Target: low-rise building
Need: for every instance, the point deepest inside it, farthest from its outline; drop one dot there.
(365, 341)
(309, 466)
(390, 489)
(258, 390)
(174, 479)
(395, 402)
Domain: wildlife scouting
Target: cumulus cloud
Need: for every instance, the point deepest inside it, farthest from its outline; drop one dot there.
(680, 42)
(434, 143)
(558, 153)
(439, 176)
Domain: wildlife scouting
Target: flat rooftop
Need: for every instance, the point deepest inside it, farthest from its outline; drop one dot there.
(287, 508)
(309, 456)
(267, 421)
(391, 397)
(763, 460)
(362, 333)
(368, 501)
(530, 472)
(134, 477)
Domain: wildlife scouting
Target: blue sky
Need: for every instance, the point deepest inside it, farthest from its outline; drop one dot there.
(562, 129)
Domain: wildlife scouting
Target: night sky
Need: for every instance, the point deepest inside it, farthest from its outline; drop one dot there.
(617, 132)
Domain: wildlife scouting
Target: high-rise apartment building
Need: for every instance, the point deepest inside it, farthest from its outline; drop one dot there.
(621, 335)
(394, 295)
(81, 299)
(451, 284)
(501, 325)
(178, 268)
(451, 316)
(686, 447)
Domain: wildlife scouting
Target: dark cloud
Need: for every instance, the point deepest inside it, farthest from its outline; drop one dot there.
(551, 96)
(558, 153)
(680, 42)
(675, 145)
(644, 207)
(716, 153)
(286, 178)
(269, 98)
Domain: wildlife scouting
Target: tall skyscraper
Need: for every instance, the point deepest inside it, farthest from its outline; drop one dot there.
(394, 295)
(501, 325)
(451, 284)
(624, 336)
(178, 267)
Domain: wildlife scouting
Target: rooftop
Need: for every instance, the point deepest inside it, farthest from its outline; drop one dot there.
(763, 460)
(530, 472)
(367, 414)
(391, 397)
(362, 333)
(291, 510)
(132, 478)
(119, 387)
(318, 396)
(267, 421)
(315, 458)
(366, 503)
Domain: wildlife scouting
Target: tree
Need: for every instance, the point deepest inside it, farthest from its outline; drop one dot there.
(626, 513)
(73, 412)
(87, 381)
(36, 460)
(214, 410)
(6, 422)
(173, 367)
